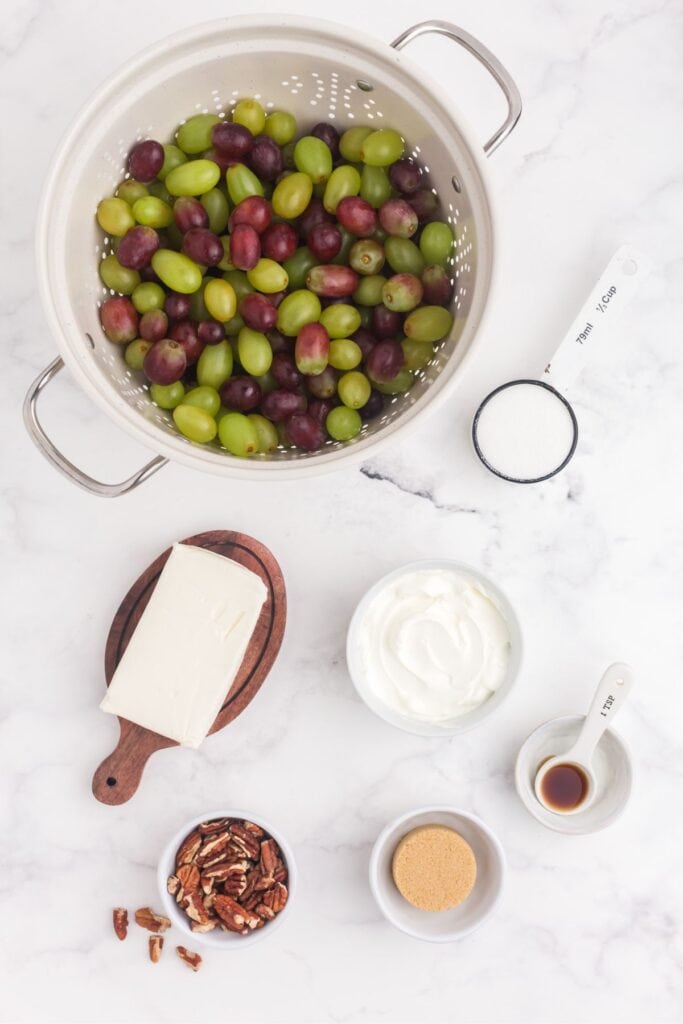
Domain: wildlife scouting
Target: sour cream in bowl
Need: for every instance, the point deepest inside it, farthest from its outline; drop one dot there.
(434, 648)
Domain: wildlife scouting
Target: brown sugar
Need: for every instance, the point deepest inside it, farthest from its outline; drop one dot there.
(434, 868)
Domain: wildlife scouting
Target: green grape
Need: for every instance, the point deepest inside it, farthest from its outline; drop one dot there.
(344, 181)
(177, 271)
(205, 398)
(288, 156)
(130, 190)
(233, 327)
(404, 256)
(436, 243)
(193, 178)
(312, 156)
(167, 396)
(148, 296)
(280, 127)
(195, 135)
(266, 382)
(118, 278)
(366, 256)
(158, 189)
(345, 354)
(217, 207)
(343, 423)
(298, 265)
(173, 157)
(416, 354)
(238, 434)
(254, 351)
(195, 423)
(214, 365)
(351, 143)
(266, 432)
(135, 353)
(369, 290)
(198, 310)
(114, 216)
(340, 320)
(365, 315)
(297, 309)
(225, 263)
(268, 276)
(354, 389)
(251, 114)
(242, 183)
(220, 299)
(375, 187)
(428, 323)
(239, 282)
(381, 148)
(152, 212)
(402, 382)
(292, 195)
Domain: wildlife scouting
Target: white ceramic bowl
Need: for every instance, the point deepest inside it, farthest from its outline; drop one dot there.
(453, 726)
(611, 766)
(444, 925)
(218, 938)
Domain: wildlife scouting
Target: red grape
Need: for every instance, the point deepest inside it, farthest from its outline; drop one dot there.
(365, 340)
(119, 319)
(185, 333)
(324, 241)
(189, 213)
(323, 385)
(254, 211)
(234, 140)
(438, 290)
(357, 216)
(332, 281)
(386, 323)
(424, 203)
(166, 362)
(241, 393)
(220, 158)
(279, 342)
(245, 247)
(145, 160)
(315, 213)
(153, 325)
(305, 431)
(203, 246)
(373, 406)
(329, 135)
(210, 332)
(137, 247)
(257, 311)
(279, 242)
(398, 217)
(265, 158)
(320, 408)
(285, 372)
(312, 349)
(385, 360)
(279, 404)
(177, 306)
(405, 175)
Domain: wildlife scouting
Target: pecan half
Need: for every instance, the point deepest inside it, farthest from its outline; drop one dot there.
(189, 848)
(207, 827)
(235, 885)
(269, 856)
(188, 876)
(172, 885)
(194, 908)
(230, 912)
(192, 960)
(264, 911)
(156, 944)
(146, 918)
(120, 916)
(245, 839)
(214, 847)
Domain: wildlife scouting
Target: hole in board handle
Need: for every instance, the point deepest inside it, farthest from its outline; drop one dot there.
(111, 781)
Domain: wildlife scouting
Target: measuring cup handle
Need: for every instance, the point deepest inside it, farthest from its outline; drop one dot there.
(60, 461)
(486, 58)
(609, 697)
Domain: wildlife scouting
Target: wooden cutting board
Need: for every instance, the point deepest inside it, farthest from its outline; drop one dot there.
(118, 777)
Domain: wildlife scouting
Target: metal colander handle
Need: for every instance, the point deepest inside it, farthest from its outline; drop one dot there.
(486, 58)
(59, 461)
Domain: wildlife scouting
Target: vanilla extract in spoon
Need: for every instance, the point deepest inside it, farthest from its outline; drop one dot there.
(564, 787)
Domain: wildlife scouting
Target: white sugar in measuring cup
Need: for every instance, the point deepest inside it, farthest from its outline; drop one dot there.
(525, 431)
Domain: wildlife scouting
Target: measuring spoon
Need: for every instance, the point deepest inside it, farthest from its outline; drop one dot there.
(610, 695)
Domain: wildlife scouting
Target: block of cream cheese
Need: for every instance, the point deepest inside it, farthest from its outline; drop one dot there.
(182, 659)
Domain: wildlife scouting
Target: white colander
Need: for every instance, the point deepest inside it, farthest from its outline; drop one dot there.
(319, 71)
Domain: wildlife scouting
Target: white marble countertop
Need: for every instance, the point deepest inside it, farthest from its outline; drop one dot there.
(589, 929)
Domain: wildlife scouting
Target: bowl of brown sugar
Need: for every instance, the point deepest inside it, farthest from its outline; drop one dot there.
(437, 873)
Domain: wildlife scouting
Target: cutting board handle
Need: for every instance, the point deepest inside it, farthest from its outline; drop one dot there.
(118, 777)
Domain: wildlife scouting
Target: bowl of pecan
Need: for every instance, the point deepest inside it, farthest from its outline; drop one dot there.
(226, 880)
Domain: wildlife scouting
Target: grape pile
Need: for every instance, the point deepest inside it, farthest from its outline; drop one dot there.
(273, 292)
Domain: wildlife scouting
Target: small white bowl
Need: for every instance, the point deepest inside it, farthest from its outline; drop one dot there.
(443, 925)
(611, 766)
(453, 726)
(218, 938)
